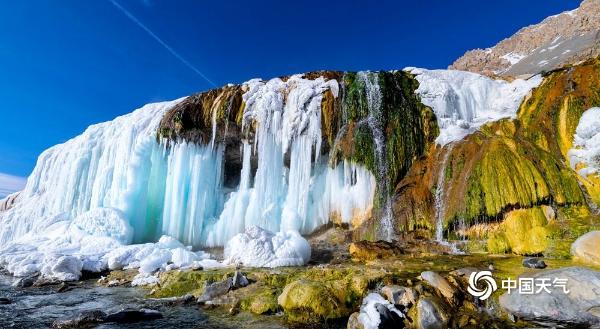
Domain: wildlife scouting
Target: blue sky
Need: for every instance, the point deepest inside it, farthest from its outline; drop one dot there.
(65, 67)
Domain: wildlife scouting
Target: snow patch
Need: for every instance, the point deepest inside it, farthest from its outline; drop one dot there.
(513, 58)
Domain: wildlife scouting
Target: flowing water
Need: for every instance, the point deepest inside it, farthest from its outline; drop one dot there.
(440, 195)
(375, 121)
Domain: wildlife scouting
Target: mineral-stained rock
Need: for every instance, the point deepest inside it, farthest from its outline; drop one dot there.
(367, 251)
(578, 307)
(587, 248)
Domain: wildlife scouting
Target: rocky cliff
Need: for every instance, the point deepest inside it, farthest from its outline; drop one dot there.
(567, 38)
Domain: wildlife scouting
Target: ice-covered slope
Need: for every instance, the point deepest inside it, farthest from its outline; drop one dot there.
(464, 101)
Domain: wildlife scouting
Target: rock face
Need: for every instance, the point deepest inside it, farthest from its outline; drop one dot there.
(579, 307)
(566, 38)
(430, 314)
(587, 248)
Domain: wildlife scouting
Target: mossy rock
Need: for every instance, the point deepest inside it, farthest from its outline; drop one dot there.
(262, 303)
(523, 232)
(312, 301)
(180, 283)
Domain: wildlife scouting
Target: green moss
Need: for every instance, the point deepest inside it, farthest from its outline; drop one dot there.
(181, 283)
(264, 302)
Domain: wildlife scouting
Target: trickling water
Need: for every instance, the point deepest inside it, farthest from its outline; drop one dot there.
(440, 195)
(375, 121)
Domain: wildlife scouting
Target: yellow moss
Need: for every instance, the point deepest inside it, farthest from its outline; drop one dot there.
(525, 231)
(312, 301)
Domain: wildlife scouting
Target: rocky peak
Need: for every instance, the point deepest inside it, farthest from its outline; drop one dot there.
(566, 38)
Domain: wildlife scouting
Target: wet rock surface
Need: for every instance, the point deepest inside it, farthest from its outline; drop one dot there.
(579, 307)
(534, 263)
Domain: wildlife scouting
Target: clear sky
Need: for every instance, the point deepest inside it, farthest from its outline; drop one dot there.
(64, 67)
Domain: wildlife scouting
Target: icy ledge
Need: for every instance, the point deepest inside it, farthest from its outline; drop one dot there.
(585, 154)
(97, 240)
(465, 101)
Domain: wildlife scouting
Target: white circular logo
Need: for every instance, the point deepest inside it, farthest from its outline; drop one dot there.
(477, 280)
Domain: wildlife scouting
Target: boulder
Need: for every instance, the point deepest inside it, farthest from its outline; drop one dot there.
(239, 280)
(585, 248)
(579, 307)
(132, 315)
(215, 289)
(354, 322)
(311, 301)
(25, 282)
(400, 295)
(82, 320)
(534, 263)
(429, 313)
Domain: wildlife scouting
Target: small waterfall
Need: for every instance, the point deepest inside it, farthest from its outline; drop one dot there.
(440, 210)
(375, 121)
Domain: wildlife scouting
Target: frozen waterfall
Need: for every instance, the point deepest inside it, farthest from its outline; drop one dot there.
(177, 189)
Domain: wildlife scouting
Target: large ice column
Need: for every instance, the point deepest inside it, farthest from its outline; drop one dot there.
(113, 165)
(464, 101)
(194, 193)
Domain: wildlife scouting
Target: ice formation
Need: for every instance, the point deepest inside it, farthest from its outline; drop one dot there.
(585, 154)
(464, 101)
(369, 317)
(88, 199)
(257, 247)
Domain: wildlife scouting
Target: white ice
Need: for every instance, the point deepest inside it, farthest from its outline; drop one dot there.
(257, 247)
(464, 101)
(586, 143)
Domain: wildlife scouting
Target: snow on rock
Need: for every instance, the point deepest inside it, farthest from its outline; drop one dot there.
(464, 101)
(369, 317)
(585, 154)
(257, 247)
